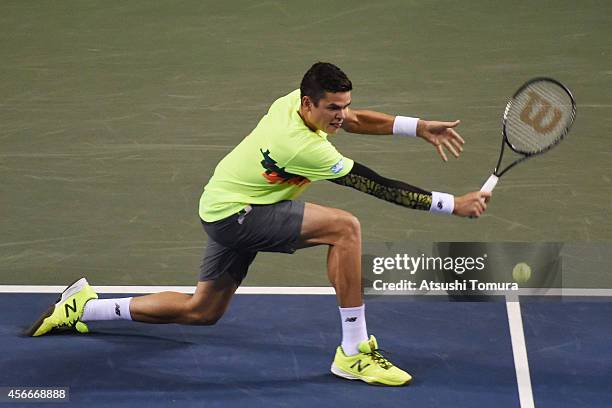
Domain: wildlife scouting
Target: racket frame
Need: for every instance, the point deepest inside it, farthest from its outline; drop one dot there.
(527, 155)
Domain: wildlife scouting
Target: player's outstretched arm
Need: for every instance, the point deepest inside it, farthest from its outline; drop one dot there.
(366, 122)
(442, 135)
(368, 181)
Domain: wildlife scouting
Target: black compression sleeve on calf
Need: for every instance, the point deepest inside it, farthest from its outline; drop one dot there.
(368, 181)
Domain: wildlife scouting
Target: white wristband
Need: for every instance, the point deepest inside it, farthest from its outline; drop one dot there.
(405, 126)
(442, 203)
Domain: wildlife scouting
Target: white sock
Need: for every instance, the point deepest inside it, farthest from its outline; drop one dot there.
(353, 328)
(107, 309)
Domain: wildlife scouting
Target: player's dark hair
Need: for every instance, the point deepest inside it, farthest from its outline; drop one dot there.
(324, 77)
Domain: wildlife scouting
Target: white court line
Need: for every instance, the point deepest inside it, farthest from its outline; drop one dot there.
(519, 351)
(294, 290)
(244, 290)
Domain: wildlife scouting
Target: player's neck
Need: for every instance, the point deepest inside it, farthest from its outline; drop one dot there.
(305, 120)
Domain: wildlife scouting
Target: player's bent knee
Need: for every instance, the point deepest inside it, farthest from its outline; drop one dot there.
(205, 318)
(210, 320)
(351, 227)
(204, 315)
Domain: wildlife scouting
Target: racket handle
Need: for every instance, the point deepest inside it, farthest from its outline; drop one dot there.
(490, 184)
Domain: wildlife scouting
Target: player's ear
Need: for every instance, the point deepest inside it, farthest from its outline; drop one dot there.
(307, 103)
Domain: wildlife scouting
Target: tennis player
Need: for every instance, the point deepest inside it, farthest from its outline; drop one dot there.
(249, 205)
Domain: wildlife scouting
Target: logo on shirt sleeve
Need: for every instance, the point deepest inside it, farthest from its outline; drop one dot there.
(338, 167)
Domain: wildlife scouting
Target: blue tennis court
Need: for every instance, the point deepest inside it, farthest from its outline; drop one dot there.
(275, 350)
(569, 351)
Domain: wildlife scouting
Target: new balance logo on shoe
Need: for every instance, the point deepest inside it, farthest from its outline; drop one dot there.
(68, 308)
(351, 319)
(117, 309)
(358, 364)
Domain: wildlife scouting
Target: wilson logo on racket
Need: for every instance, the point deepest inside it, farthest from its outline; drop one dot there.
(537, 121)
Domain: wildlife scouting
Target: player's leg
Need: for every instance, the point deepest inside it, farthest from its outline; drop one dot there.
(79, 304)
(342, 232)
(207, 305)
(358, 357)
(222, 271)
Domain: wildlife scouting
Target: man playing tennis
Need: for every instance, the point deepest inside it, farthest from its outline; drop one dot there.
(249, 206)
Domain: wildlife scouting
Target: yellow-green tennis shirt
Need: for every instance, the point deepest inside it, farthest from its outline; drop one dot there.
(275, 162)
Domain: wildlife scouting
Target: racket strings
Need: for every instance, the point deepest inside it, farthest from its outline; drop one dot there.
(538, 117)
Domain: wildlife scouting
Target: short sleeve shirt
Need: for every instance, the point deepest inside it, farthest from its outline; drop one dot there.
(275, 162)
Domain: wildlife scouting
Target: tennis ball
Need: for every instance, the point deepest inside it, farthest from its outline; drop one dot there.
(81, 327)
(521, 272)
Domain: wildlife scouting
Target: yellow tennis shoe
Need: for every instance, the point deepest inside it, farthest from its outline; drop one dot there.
(66, 312)
(369, 366)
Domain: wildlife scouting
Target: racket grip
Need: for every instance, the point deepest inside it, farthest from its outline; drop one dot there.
(490, 184)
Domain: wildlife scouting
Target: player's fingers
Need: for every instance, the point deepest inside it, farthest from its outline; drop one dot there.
(482, 207)
(485, 196)
(442, 126)
(477, 203)
(441, 153)
(457, 144)
(478, 206)
(453, 124)
(451, 148)
(456, 136)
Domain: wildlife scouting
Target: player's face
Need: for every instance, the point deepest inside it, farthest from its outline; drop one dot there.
(329, 114)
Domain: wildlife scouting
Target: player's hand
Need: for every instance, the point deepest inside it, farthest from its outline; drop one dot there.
(472, 204)
(442, 135)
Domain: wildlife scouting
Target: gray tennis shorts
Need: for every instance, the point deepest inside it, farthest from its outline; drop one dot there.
(234, 241)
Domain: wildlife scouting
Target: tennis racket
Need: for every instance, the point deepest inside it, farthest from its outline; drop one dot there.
(537, 118)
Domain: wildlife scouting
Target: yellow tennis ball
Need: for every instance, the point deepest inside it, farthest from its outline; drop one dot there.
(81, 327)
(521, 272)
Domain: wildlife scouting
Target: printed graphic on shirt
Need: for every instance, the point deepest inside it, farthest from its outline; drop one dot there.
(338, 167)
(278, 175)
